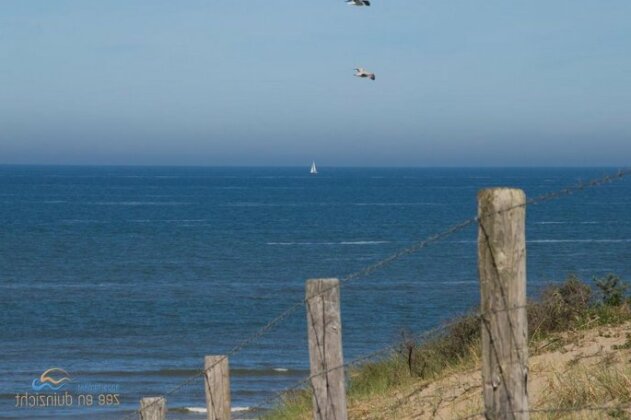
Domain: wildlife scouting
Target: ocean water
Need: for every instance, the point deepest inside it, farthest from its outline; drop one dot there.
(125, 277)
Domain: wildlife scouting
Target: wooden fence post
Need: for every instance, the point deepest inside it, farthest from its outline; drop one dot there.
(502, 268)
(153, 408)
(217, 386)
(325, 349)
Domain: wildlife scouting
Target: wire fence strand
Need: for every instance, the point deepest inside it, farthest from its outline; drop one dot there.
(419, 338)
(422, 336)
(370, 269)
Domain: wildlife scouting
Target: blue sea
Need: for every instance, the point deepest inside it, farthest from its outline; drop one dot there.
(126, 277)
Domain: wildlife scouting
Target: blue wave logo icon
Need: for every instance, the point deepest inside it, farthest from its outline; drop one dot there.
(52, 379)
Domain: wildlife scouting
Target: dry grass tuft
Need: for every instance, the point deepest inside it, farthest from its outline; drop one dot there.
(600, 385)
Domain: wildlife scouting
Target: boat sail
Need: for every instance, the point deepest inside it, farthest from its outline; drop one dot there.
(313, 170)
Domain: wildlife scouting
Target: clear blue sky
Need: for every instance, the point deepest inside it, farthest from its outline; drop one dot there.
(253, 82)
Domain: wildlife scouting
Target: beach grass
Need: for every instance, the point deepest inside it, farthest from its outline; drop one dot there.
(572, 305)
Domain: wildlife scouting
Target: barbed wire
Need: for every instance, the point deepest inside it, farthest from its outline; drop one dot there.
(422, 336)
(581, 186)
(480, 316)
(368, 270)
(485, 322)
(417, 338)
(410, 250)
(353, 276)
(237, 348)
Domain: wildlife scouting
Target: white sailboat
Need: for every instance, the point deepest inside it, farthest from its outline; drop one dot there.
(314, 170)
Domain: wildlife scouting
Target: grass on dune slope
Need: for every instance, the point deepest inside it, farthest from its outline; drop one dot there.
(569, 306)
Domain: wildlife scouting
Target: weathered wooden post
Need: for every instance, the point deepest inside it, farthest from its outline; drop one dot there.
(325, 349)
(153, 408)
(217, 386)
(502, 268)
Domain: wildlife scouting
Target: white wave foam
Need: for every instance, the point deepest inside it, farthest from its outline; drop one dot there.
(363, 242)
(251, 204)
(237, 409)
(328, 243)
(299, 243)
(203, 410)
(459, 282)
(73, 221)
(147, 176)
(167, 221)
(281, 369)
(550, 223)
(139, 203)
(396, 204)
(56, 286)
(200, 410)
(327, 204)
(565, 223)
(595, 241)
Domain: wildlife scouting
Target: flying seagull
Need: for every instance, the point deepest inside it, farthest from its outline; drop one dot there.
(360, 72)
(358, 2)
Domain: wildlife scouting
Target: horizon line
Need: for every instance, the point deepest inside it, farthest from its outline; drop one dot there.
(293, 166)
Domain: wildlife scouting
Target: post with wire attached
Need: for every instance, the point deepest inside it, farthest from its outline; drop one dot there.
(325, 349)
(153, 408)
(217, 385)
(502, 268)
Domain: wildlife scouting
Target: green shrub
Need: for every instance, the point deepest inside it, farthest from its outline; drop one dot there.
(559, 307)
(446, 348)
(612, 289)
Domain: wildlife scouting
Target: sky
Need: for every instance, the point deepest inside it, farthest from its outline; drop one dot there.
(226, 82)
